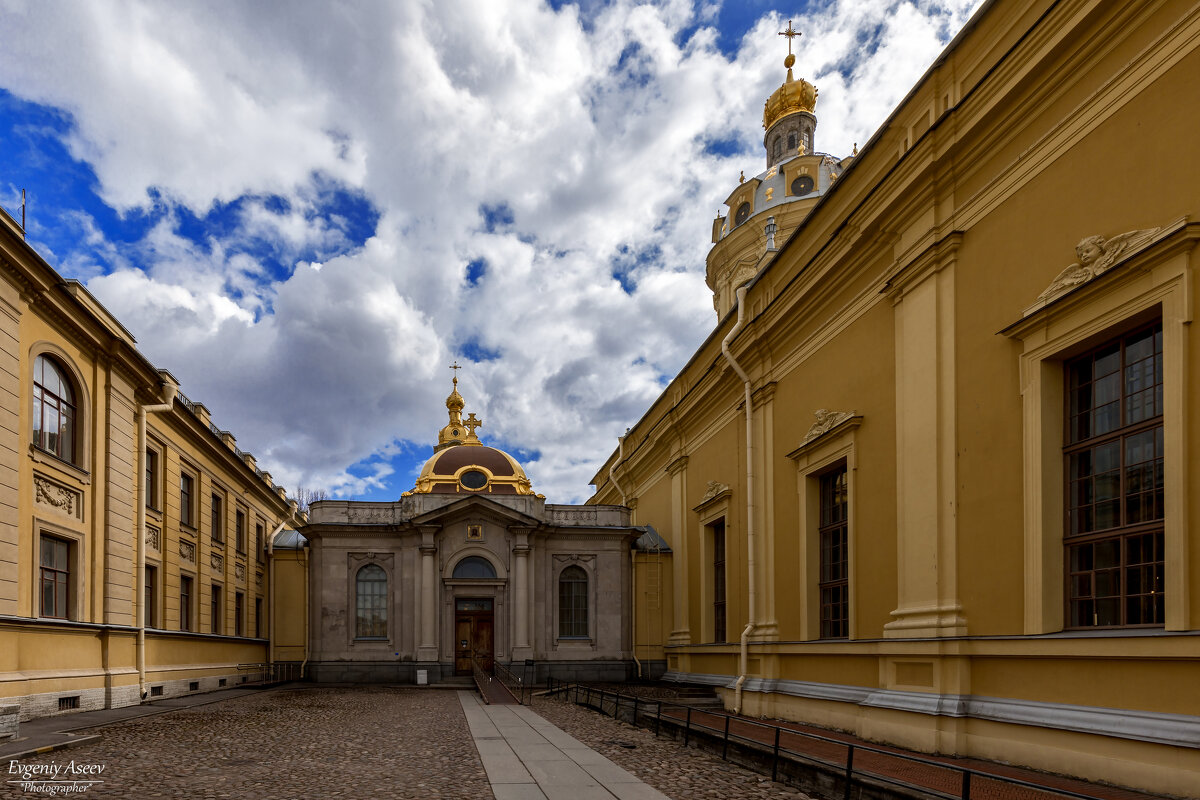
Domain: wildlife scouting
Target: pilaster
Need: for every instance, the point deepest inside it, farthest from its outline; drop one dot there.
(427, 648)
(680, 631)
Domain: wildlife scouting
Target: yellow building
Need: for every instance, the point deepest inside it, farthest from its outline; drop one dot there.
(132, 530)
(928, 480)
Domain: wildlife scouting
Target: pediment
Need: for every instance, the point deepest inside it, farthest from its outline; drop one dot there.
(474, 506)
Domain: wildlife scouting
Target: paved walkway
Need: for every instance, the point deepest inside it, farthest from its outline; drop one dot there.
(527, 758)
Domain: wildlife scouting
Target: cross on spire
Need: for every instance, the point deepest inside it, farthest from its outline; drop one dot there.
(455, 367)
(790, 33)
(472, 422)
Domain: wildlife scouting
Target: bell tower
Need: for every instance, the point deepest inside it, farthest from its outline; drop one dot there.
(788, 113)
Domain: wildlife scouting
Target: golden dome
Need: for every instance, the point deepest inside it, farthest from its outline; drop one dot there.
(472, 469)
(461, 464)
(793, 96)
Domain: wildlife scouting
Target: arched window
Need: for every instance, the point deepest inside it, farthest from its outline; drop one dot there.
(743, 214)
(53, 409)
(573, 603)
(791, 141)
(777, 148)
(371, 611)
(474, 567)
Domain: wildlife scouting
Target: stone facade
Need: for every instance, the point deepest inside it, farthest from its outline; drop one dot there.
(419, 543)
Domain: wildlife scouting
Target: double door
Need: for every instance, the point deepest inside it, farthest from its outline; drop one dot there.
(474, 625)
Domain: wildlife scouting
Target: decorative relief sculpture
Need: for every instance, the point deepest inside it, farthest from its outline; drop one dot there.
(713, 489)
(216, 561)
(258, 579)
(187, 551)
(52, 494)
(574, 558)
(826, 421)
(239, 571)
(1096, 256)
(153, 537)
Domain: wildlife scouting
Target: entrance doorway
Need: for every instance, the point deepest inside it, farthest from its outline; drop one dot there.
(473, 627)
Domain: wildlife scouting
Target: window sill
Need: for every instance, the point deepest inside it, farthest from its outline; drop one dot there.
(52, 460)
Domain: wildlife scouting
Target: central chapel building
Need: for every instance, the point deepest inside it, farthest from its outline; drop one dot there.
(470, 567)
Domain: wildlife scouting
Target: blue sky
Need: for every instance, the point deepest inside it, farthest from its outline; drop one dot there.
(308, 216)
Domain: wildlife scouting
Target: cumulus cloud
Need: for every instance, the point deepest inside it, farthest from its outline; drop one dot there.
(558, 157)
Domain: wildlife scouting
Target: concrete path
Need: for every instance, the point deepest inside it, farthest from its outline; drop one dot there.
(527, 758)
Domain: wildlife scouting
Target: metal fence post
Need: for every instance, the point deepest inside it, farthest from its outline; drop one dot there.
(725, 744)
(849, 770)
(635, 705)
(657, 718)
(966, 785)
(687, 727)
(775, 756)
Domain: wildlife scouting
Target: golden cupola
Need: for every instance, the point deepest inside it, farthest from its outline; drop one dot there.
(793, 96)
(461, 464)
(788, 115)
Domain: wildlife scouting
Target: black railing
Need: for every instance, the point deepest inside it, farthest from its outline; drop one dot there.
(279, 672)
(652, 712)
(515, 683)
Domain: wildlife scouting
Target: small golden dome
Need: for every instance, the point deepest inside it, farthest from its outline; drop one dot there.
(793, 96)
(455, 401)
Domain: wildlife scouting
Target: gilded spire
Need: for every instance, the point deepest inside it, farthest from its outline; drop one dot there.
(793, 95)
(457, 431)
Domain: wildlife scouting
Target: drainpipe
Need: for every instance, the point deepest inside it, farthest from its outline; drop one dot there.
(750, 587)
(271, 599)
(169, 390)
(612, 476)
(307, 595)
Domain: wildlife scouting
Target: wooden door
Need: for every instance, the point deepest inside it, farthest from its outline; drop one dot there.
(472, 638)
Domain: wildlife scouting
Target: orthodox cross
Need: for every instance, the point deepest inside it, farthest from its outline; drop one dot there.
(471, 423)
(790, 33)
(456, 368)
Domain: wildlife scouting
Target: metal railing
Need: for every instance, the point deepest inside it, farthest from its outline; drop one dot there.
(645, 712)
(279, 672)
(515, 683)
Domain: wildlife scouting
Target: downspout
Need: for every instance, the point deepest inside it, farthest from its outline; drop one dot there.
(169, 390)
(612, 476)
(750, 587)
(307, 595)
(271, 599)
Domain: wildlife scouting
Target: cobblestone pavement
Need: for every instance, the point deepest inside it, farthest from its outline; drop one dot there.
(306, 744)
(683, 774)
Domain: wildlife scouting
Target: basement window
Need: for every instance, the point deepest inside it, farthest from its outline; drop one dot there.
(68, 703)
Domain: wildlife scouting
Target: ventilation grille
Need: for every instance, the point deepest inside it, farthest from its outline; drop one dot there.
(68, 703)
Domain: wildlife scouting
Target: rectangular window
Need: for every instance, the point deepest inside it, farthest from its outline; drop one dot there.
(259, 542)
(1114, 464)
(258, 617)
(239, 611)
(186, 494)
(56, 577)
(151, 594)
(185, 603)
(718, 540)
(833, 584)
(151, 479)
(240, 528)
(215, 611)
(218, 519)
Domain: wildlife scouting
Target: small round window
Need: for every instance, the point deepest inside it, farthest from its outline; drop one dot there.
(803, 185)
(743, 214)
(473, 479)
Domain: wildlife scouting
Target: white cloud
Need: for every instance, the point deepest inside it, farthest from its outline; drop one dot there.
(591, 136)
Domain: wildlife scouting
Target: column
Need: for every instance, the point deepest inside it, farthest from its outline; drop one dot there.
(521, 649)
(427, 649)
(926, 497)
(680, 633)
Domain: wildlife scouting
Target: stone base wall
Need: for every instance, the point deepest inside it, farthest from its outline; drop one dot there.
(10, 718)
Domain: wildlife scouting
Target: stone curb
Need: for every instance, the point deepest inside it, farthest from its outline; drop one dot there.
(66, 744)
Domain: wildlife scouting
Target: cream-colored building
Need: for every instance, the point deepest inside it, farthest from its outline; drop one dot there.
(930, 479)
(133, 532)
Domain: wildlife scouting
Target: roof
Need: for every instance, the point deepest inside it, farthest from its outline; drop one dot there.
(650, 541)
(289, 540)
